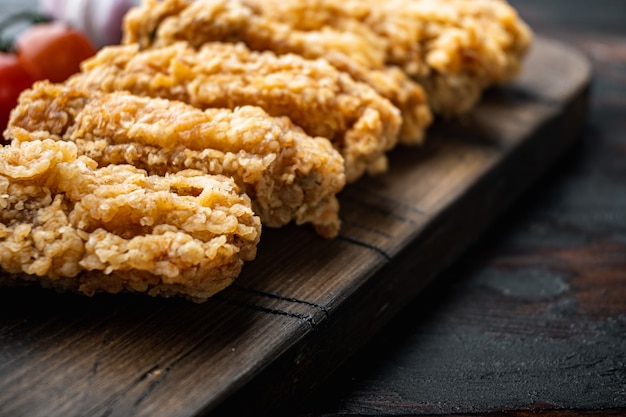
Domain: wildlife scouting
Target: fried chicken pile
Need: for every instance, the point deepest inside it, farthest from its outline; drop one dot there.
(323, 101)
(454, 49)
(201, 22)
(289, 175)
(153, 168)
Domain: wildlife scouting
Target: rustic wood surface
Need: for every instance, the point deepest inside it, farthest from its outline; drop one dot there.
(532, 319)
(305, 304)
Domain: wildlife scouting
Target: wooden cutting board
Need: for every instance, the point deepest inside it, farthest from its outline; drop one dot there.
(305, 304)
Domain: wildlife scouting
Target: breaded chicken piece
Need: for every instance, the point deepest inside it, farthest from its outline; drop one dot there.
(289, 175)
(325, 102)
(357, 51)
(454, 48)
(69, 225)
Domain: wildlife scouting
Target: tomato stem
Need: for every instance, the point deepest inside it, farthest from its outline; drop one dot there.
(30, 17)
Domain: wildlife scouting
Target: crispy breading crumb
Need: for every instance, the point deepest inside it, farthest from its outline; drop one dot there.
(73, 226)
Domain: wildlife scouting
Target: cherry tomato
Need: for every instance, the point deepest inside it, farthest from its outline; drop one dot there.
(13, 80)
(53, 51)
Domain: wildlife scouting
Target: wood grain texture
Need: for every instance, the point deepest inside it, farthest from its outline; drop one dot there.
(305, 304)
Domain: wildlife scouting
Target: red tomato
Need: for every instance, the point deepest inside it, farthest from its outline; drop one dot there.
(53, 51)
(13, 80)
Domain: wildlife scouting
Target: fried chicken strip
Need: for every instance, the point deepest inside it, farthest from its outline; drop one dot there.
(325, 102)
(289, 175)
(454, 48)
(357, 50)
(72, 226)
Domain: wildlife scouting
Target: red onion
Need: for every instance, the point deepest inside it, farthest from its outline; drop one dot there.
(101, 20)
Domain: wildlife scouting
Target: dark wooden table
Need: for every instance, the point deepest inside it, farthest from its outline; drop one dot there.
(532, 319)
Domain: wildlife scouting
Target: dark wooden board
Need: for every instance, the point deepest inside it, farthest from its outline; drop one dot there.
(531, 320)
(305, 304)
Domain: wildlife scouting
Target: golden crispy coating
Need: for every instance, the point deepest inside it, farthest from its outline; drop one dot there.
(289, 175)
(325, 102)
(161, 23)
(72, 226)
(352, 50)
(454, 48)
(393, 84)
